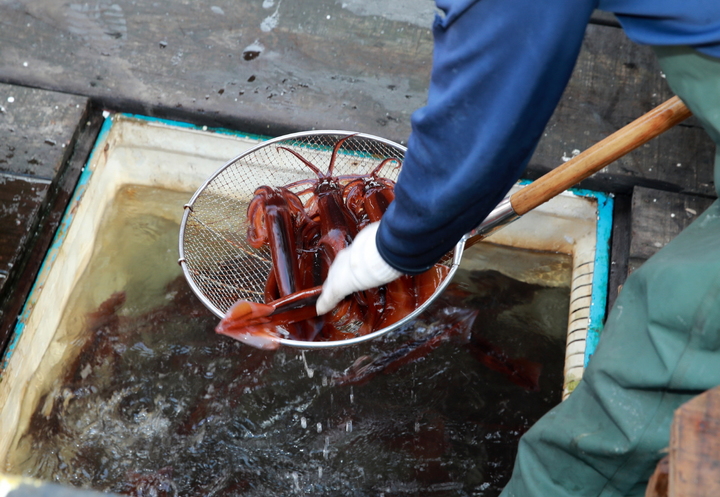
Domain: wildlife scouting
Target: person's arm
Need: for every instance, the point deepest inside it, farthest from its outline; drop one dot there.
(499, 70)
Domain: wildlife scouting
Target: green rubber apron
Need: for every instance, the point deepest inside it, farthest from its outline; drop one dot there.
(659, 348)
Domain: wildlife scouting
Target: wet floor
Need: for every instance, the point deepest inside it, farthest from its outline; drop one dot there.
(153, 402)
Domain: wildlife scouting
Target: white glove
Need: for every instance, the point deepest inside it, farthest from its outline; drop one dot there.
(357, 267)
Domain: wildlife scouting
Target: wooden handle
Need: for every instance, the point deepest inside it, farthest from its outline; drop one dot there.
(643, 129)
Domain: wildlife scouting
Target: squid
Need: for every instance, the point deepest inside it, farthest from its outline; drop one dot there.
(304, 238)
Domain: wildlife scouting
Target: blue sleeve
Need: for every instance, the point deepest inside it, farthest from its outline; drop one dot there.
(499, 70)
(670, 23)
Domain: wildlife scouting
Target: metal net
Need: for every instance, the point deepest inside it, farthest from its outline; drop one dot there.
(218, 261)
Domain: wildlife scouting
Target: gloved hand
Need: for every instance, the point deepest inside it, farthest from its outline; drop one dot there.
(357, 267)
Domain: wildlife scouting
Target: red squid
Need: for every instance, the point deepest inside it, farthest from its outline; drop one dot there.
(270, 215)
(273, 215)
(257, 324)
(303, 240)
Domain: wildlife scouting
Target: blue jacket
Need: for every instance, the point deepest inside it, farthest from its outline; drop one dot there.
(499, 70)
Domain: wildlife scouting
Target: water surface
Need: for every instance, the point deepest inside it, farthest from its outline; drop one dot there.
(152, 402)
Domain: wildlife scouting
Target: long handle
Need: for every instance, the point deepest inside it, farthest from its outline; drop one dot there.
(638, 132)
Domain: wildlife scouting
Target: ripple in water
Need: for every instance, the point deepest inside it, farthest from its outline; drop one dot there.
(153, 402)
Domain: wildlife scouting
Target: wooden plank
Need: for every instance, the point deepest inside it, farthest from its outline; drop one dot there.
(614, 82)
(695, 447)
(36, 128)
(619, 246)
(21, 199)
(657, 218)
(37, 133)
(20, 280)
(658, 482)
(31, 204)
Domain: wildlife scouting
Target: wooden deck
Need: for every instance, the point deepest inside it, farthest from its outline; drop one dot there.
(692, 466)
(274, 67)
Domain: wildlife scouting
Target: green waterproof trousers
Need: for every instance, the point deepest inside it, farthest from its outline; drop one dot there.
(659, 348)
